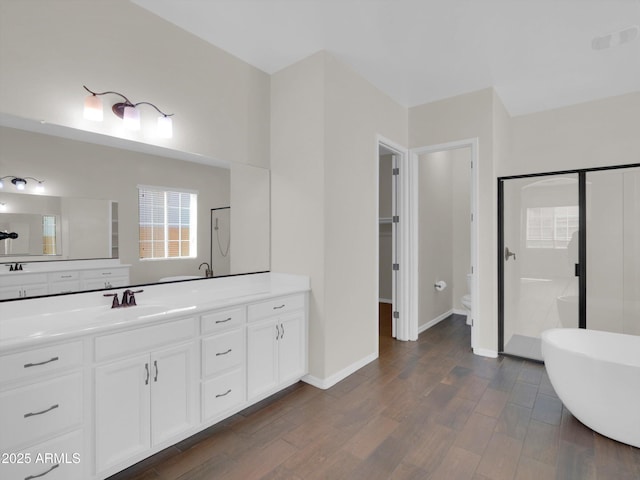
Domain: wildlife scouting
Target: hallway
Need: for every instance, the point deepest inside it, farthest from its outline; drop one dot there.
(424, 410)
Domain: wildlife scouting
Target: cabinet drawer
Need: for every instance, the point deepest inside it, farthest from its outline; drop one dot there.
(59, 459)
(63, 276)
(216, 321)
(222, 393)
(276, 306)
(142, 339)
(105, 273)
(31, 413)
(223, 351)
(40, 361)
(20, 278)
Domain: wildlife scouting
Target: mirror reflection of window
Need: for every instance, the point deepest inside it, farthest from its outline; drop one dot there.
(49, 235)
(168, 223)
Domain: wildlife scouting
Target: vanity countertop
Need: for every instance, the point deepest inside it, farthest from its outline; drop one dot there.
(42, 320)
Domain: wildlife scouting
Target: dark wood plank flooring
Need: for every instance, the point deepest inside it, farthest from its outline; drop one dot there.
(424, 410)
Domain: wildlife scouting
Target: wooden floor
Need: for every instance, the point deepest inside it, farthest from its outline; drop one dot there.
(424, 410)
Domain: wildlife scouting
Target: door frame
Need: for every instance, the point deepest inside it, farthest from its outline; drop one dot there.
(401, 325)
(411, 293)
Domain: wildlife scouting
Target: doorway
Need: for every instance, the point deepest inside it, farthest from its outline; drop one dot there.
(431, 297)
(389, 159)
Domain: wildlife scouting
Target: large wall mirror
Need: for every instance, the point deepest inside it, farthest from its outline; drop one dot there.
(90, 207)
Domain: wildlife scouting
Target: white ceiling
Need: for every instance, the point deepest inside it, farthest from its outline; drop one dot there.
(536, 53)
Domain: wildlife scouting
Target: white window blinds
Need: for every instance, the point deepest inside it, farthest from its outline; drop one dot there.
(168, 222)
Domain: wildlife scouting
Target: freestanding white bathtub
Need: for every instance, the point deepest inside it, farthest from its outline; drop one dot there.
(597, 376)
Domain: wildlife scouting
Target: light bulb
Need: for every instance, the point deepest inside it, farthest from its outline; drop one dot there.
(131, 118)
(39, 188)
(19, 183)
(93, 108)
(1, 183)
(165, 127)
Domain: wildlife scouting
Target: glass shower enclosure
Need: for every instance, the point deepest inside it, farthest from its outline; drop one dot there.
(569, 254)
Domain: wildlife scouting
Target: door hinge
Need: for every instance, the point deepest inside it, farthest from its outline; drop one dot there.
(396, 266)
(395, 171)
(396, 314)
(395, 219)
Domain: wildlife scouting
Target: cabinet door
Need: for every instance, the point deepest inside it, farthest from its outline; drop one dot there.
(35, 290)
(173, 391)
(122, 410)
(291, 347)
(262, 374)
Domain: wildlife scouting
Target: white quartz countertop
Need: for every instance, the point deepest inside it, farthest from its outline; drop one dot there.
(44, 320)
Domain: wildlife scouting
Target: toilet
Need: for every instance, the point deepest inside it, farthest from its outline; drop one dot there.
(466, 300)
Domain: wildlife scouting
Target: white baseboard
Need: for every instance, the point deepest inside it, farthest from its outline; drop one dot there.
(435, 321)
(460, 311)
(324, 383)
(483, 352)
(385, 300)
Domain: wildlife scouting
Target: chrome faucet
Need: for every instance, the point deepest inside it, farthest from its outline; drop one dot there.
(208, 272)
(16, 267)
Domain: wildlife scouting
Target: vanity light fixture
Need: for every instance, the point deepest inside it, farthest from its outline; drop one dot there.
(127, 111)
(21, 183)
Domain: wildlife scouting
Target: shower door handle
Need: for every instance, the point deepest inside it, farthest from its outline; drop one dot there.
(508, 254)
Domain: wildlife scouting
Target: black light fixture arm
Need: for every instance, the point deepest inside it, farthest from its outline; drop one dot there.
(128, 102)
(151, 104)
(13, 177)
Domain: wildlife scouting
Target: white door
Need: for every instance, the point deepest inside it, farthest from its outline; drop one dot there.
(395, 261)
(290, 347)
(173, 391)
(122, 410)
(262, 343)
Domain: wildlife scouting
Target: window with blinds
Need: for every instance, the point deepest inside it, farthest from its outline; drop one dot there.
(168, 223)
(551, 227)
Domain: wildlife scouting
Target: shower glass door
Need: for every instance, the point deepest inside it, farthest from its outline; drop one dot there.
(539, 259)
(613, 250)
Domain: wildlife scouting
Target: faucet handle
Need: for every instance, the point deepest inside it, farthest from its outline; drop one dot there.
(115, 303)
(132, 298)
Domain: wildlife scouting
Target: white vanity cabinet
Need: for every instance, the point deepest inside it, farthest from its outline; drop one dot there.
(148, 396)
(23, 285)
(276, 344)
(42, 413)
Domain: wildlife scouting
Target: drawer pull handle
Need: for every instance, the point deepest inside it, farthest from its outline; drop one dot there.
(43, 473)
(66, 276)
(54, 359)
(223, 394)
(146, 380)
(223, 353)
(223, 321)
(155, 364)
(278, 308)
(33, 414)
(106, 273)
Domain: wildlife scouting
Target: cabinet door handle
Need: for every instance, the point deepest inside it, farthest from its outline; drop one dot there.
(278, 308)
(33, 414)
(278, 332)
(155, 364)
(223, 394)
(223, 321)
(223, 353)
(146, 380)
(53, 359)
(30, 477)
(282, 334)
